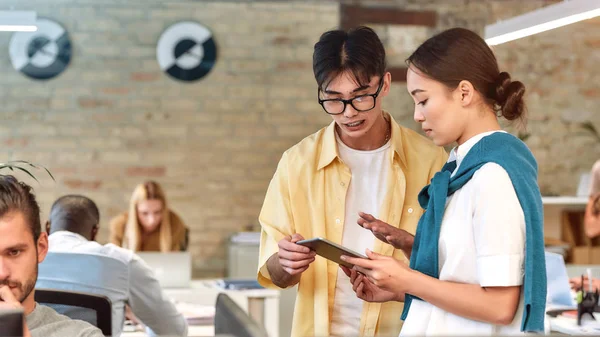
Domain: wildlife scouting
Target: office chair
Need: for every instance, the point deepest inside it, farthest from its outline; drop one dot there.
(102, 275)
(232, 320)
(100, 304)
(11, 323)
(186, 241)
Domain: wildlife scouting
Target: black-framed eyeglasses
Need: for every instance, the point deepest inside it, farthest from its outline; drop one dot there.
(362, 103)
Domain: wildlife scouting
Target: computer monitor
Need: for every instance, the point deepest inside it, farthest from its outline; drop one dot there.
(172, 269)
(232, 320)
(11, 323)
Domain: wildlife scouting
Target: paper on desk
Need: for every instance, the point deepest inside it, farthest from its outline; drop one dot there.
(569, 326)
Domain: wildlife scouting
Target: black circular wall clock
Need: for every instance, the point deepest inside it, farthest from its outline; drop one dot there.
(42, 54)
(186, 51)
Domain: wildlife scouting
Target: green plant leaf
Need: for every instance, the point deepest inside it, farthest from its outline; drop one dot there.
(587, 125)
(523, 136)
(16, 165)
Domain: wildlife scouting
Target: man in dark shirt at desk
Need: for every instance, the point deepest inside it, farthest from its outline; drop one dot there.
(72, 226)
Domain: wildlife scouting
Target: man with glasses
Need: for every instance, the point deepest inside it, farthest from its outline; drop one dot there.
(337, 184)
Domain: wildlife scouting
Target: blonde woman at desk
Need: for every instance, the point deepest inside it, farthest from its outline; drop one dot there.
(149, 225)
(477, 264)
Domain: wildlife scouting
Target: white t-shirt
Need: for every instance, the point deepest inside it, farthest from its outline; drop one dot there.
(365, 194)
(482, 241)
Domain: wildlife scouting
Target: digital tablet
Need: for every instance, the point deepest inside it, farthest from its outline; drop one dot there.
(329, 250)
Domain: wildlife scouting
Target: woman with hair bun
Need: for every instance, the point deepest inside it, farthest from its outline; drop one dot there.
(477, 264)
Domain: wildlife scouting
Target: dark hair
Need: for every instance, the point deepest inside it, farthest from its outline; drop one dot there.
(16, 196)
(358, 51)
(459, 54)
(75, 213)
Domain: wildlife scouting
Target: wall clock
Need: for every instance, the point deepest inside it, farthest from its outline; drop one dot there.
(43, 54)
(186, 51)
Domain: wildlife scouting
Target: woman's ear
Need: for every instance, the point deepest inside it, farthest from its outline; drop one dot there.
(466, 92)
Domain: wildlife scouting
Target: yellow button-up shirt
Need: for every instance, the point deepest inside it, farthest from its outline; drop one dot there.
(307, 195)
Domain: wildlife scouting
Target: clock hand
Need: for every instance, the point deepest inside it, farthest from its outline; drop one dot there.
(192, 54)
(46, 53)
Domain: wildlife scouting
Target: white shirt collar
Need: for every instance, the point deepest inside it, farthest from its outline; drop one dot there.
(459, 153)
(67, 235)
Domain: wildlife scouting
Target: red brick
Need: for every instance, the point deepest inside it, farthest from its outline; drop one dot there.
(116, 91)
(398, 74)
(109, 117)
(144, 77)
(591, 92)
(62, 171)
(293, 65)
(354, 15)
(94, 103)
(592, 43)
(286, 40)
(281, 40)
(153, 171)
(82, 184)
(16, 142)
(277, 29)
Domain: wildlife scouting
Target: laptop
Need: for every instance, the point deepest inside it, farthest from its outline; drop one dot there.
(559, 290)
(172, 270)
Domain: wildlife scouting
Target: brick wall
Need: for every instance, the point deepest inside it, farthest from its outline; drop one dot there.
(114, 119)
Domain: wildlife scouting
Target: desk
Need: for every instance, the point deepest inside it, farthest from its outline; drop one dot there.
(260, 304)
(568, 326)
(193, 331)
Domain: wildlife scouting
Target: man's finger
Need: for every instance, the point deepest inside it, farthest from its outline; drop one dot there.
(357, 282)
(295, 256)
(380, 230)
(360, 291)
(293, 271)
(373, 256)
(296, 264)
(346, 271)
(292, 247)
(6, 295)
(297, 237)
(358, 261)
(368, 217)
(353, 276)
(365, 224)
(364, 271)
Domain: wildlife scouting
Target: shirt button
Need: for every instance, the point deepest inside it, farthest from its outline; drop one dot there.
(338, 221)
(342, 184)
(410, 210)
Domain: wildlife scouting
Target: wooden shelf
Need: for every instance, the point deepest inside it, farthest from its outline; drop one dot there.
(565, 200)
